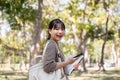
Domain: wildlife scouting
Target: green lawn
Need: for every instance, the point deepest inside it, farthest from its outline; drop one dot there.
(90, 75)
(102, 78)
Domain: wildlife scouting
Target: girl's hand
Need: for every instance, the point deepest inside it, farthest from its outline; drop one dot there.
(76, 66)
(67, 77)
(71, 60)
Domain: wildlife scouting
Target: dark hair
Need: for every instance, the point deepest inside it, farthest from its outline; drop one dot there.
(53, 24)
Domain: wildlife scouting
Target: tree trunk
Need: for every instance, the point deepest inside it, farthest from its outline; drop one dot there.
(117, 42)
(101, 64)
(80, 43)
(8, 59)
(114, 52)
(82, 47)
(35, 47)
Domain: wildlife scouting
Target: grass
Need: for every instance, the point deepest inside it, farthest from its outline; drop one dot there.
(12, 78)
(19, 79)
(112, 74)
(12, 75)
(102, 78)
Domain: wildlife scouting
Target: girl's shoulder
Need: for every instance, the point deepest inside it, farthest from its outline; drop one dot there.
(51, 42)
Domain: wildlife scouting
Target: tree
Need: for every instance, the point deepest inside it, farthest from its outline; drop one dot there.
(18, 14)
(15, 12)
(35, 47)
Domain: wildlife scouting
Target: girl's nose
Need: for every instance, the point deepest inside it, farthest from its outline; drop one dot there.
(60, 30)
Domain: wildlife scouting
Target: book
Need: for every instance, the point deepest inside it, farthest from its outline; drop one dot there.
(70, 68)
(78, 55)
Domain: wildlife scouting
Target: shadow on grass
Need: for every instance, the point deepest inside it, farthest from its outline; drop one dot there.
(90, 75)
(110, 78)
(21, 79)
(102, 78)
(12, 73)
(11, 78)
(115, 71)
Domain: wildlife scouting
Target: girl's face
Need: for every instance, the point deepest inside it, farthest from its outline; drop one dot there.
(57, 33)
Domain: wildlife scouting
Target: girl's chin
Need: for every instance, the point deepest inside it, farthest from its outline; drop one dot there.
(59, 39)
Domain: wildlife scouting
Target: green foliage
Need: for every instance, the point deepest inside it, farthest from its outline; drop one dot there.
(111, 34)
(17, 13)
(69, 47)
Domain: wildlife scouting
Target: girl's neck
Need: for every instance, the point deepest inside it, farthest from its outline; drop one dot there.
(54, 40)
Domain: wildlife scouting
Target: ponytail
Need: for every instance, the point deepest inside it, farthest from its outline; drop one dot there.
(48, 38)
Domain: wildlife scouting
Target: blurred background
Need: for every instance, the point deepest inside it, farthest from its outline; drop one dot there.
(92, 27)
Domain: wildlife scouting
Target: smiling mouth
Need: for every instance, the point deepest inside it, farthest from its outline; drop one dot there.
(60, 36)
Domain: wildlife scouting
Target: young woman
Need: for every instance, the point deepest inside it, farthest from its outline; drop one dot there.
(56, 30)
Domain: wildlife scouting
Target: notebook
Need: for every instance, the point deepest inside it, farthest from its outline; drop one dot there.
(70, 68)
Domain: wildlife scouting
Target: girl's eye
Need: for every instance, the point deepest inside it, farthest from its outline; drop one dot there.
(62, 29)
(59, 29)
(56, 28)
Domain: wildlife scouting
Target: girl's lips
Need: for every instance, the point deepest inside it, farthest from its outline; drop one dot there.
(60, 36)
